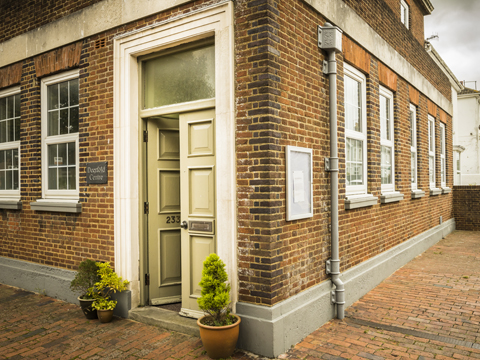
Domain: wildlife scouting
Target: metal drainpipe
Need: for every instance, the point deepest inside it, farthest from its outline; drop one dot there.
(330, 40)
(335, 260)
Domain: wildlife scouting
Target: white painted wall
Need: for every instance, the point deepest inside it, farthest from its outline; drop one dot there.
(467, 134)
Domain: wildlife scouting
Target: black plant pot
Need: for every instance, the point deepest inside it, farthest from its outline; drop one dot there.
(86, 305)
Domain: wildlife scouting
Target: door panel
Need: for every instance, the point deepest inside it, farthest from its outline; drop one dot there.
(202, 187)
(169, 191)
(170, 245)
(200, 135)
(200, 248)
(164, 236)
(198, 205)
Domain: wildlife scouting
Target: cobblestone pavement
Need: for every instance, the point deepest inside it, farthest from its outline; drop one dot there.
(429, 309)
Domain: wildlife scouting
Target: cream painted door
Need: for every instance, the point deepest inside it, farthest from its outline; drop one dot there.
(198, 204)
(164, 235)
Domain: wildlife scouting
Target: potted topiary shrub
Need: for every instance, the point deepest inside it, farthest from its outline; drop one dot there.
(108, 284)
(218, 328)
(84, 283)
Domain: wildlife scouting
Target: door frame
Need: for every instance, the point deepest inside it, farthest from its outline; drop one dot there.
(129, 193)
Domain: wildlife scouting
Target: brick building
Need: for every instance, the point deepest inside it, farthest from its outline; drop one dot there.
(151, 133)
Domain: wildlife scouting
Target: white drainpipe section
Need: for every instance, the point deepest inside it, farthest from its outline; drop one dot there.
(330, 39)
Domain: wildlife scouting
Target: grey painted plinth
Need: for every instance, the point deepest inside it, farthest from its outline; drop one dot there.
(270, 331)
(166, 319)
(43, 279)
(51, 281)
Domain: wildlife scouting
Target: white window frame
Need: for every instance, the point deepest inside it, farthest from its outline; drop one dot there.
(57, 195)
(388, 143)
(404, 13)
(362, 135)
(413, 145)
(431, 145)
(11, 145)
(443, 160)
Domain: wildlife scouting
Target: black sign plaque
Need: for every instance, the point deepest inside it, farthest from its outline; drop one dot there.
(97, 173)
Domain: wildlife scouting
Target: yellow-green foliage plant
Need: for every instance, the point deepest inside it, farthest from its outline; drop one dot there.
(215, 299)
(109, 283)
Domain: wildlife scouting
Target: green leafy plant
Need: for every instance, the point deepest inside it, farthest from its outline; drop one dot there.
(215, 299)
(104, 304)
(85, 279)
(108, 284)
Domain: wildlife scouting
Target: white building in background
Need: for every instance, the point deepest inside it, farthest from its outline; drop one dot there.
(466, 138)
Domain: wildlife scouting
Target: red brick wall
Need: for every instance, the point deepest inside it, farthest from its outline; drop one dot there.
(466, 207)
(19, 16)
(416, 16)
(408, 44)
(282, 99)
(60, 239)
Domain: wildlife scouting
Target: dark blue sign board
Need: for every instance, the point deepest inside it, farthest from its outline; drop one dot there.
(97, 173)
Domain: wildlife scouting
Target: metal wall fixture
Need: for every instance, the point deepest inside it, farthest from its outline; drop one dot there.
(330, 40)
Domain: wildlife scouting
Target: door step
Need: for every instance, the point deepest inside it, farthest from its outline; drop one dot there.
(166, 319)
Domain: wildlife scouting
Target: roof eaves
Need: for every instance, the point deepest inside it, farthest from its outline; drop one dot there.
(427, 6)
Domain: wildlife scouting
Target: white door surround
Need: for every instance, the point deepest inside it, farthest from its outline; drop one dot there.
(216, 21)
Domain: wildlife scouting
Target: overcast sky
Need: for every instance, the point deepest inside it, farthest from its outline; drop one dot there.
(457, 23)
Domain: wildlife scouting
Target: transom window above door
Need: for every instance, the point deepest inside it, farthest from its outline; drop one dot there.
(175, 77)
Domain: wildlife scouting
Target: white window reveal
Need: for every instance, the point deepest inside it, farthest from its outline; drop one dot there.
(10, 149)
(443, 179)
(386, 140)
(413, 147)
(443, 161)
(416, 192)
(356, 140)
(404, 13)
(60, 158)
(431, 156)
(387, 148)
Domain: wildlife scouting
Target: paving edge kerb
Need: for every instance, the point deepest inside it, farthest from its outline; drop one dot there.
(271, 331)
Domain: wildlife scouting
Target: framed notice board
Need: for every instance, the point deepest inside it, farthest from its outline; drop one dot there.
(299, 182)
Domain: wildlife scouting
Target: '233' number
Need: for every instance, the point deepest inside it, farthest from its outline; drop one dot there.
(173, 219)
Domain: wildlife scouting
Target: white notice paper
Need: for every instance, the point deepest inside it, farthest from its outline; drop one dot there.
(298, 188)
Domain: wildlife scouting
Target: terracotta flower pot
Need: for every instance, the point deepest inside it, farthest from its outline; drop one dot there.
(86, 305)
(219, 341)
(105, 316)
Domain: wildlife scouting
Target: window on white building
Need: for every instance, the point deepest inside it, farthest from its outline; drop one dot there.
(404, 13)
(386, 141)
(10, 143)
(413, 146)
(431, 151)
(355, 131)
(60, 122)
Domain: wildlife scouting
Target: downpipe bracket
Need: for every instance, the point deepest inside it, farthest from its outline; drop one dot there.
(337, 297)
(331, 164)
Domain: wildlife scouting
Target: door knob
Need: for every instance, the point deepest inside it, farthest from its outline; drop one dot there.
(184, 225)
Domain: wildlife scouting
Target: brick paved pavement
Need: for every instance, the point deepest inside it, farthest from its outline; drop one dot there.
(34, 326)
(429, 309)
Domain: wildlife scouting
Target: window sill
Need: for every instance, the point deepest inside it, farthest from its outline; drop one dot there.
(435, 191)
(417, 194)
(57, 206)
(11, 204)
(446, 190)
(359, 201)
(391, 197)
